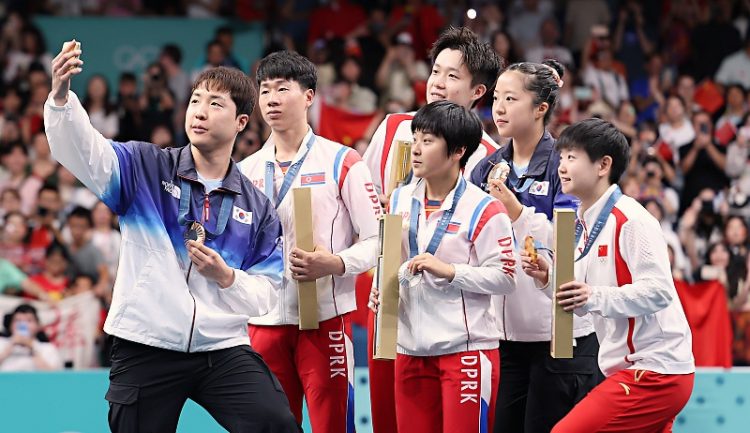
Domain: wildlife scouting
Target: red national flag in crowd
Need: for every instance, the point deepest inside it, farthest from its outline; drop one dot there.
(725, 132)
(664, 150)
(342, 126)
(705, 306)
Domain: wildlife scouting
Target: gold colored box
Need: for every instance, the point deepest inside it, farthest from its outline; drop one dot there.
(385, 335)
(307, 291)
(563, 271)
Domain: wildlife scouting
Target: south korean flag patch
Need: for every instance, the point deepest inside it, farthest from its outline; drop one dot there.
(539, 188)
(242, 216)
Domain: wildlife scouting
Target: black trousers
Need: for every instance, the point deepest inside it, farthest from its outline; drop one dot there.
(149, 386)
(536, 390)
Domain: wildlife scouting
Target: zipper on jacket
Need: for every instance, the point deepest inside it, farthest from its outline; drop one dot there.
(204, 218)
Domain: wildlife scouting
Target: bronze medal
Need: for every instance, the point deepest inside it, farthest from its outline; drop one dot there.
(196, 232)
(499, 172)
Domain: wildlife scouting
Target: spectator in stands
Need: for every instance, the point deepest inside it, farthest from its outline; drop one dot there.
(677, 130)
(549, 48)
(45, 225)
(702, 161)
(653, 188)
(353, 97)
(85, 257)
(42, 164)
(686, 90)
(161, 135)
(54, 276)
(601, 75)
(401, 70)
(736, 241)
(13, 240)
(624, 119)
(24, 347)
(738, 170)
(422, 20)
(247, 143)
(203, 8)
(505, 47)
(15, 159)
(170, 59)
(679, 261)
(632, 39)
(335, 18)
(97, 103)
(699, 227)
(734, 68)
(712, 39)
(580, 17)
(525, 20)
(735, 108)
(648, 91)
(215, 56)
(225, 36)
(31, 50)
(10, 201)
(129, 109)
(157, 101)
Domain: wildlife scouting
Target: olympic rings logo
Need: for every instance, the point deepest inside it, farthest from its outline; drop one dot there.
(130, 58)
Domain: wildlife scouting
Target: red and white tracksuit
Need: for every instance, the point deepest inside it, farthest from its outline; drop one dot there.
(645, 341)
(447, 367)
(378, 158)
(317, 364)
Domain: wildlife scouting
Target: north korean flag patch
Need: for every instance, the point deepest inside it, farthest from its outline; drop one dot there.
(313, 179)
(602, 251)
(453, 227)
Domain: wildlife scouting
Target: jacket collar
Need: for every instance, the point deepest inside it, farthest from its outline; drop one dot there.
(540, 157)
(186, 168)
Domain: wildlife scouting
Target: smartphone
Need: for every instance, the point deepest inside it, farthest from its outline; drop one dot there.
(23, 329)
(704, 128)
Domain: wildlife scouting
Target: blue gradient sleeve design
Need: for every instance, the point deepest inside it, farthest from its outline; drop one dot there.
(122, 186)
(265, 257)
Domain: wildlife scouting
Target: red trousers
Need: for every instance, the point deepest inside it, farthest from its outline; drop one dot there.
(447, 394)
(636, 401)
(315, 364)
(382, 401)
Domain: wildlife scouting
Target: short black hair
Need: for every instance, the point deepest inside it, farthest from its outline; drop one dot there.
(457, 125)
(47, 186)
(598, 138)
(483, 63)
(233, 81)
(13, 145)
(541, 82)
(173, 52)
(81, 212)
(288, 65)
(57, 248)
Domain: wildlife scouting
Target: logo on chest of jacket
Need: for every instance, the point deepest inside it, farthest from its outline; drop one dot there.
(259, 183)
(539, 188)
(602, 253)
(171, 188)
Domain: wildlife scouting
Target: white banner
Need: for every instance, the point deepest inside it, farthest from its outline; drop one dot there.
(72, 325)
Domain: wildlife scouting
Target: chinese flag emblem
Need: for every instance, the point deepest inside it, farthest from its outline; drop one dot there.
(602, 251)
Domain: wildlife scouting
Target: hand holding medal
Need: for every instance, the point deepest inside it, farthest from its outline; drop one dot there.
(195, 233)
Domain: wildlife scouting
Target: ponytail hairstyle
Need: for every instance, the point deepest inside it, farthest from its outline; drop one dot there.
(543, 80)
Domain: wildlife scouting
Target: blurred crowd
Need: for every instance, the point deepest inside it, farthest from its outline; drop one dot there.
(674, 76)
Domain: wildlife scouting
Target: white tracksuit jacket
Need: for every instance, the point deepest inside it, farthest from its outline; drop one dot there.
(345, 205)
(439, 317)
